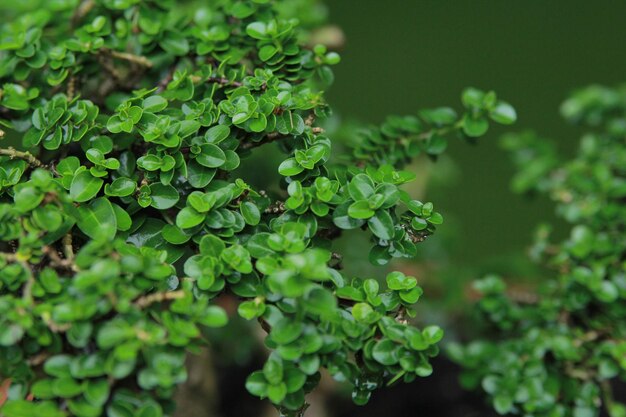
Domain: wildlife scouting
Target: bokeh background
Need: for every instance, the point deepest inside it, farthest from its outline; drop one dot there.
(403, 55)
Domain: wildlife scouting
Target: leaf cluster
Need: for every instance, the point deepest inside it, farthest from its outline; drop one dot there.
(124, 225)
(557, 353)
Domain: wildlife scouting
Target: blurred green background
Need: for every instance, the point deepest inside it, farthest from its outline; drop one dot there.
(403, 55)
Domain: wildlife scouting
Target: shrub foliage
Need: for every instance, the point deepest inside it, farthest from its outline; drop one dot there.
(124, 220)
(557, 353)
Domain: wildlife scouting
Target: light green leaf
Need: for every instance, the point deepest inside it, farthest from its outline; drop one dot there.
(84, 187)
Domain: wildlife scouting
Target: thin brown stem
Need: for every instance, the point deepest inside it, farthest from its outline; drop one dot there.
(136, 59)
(265, 325)
(82, 10)
(54, 326)
(168, 77)
(607, 394)
(38, 359)
(57, 261)
(146, 300)
(224, 81)
(9, 257)
(71, 88)
(26, 156)
(269, 138)
(27, 292)
(68, 249)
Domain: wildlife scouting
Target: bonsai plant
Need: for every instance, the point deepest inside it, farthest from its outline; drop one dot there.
(124, 221)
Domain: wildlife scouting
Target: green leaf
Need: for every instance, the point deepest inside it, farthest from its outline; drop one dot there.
(503, 113)
(251, 309)
(361, 187)
(432, 334)
(42, 389)
(418, 223)
(175, 43)
(267, 52)
(58, 366)
(286, 331)
(19, 408)
(320, 301)
(98, 220)
(363, 312)
(436, 145)
(217, 134)
(114, 124)
(250, 213)
(28, 198)
(154, 104)
(257, 30)
(238, 258)
(188, 217)
(10, 334)
(67, 166)
(294, 379)
(198, 175)
(202, 202)
(124, 222)
(440, 116)
(435, 218)
(343, 220)
(472, 97)
(360, 210)
(256, 384)
(258, 123)
(607, 292)
(384, 352)
(211, 245)
(120, 187)
(503, 403)
(163, 196)
(113, 333)
(150, 409)
(241, 117)
(150, 162)
(66, 388)
(381, 225)
(475, 127)
(211, 156)
(84, 187)
(398, 281)
(390, 194)
(582, 241)
(97, 392)
(289, 167)
(188, 128)
(174, 235)
(411, 296)
(416, 339)
(276, 393)
(39, 119)
(215, 316)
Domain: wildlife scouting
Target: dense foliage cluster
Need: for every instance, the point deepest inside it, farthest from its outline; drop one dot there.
(558, 352)
(123, 220)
